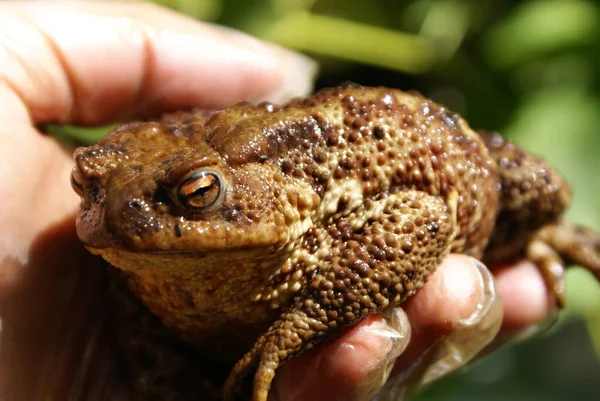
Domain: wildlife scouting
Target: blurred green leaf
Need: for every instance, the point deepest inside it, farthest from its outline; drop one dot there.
(538, 27)
(571, 70)
(353, 41)
(78, 135)
(446, 23)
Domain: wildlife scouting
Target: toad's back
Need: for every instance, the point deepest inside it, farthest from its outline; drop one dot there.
(377, 142)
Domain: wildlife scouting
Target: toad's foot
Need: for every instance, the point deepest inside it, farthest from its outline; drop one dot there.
(559, 245)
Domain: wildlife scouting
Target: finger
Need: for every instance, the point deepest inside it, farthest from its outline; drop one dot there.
(459, 294)
(100, 62)
(353, 366)
(528, 304)
(527, 308)
(456, 314)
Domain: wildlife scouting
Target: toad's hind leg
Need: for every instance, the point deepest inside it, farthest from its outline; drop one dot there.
(562, 244)
(533, 196)
(380, 254)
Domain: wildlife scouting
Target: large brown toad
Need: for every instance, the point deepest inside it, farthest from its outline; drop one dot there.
(256, 232)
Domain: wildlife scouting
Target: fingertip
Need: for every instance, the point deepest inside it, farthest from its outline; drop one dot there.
(452, 293)
(455, 314)
(353, 366)
(526, 298)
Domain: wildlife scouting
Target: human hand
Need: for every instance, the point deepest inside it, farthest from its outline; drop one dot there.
(93, 63)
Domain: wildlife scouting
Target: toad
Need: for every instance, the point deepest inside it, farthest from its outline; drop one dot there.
(245, 237)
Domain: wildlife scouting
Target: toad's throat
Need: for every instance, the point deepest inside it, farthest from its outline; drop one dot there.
(192, 293)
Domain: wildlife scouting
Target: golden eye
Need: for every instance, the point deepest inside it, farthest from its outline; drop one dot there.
(77, 181)
(200, 189)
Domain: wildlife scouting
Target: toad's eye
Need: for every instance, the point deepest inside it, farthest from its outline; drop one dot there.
(200, 189)
(77, 181)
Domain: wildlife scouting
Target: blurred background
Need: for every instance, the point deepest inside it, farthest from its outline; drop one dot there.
(529, 69)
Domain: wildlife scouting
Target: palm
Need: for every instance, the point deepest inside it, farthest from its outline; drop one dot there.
(52, 308)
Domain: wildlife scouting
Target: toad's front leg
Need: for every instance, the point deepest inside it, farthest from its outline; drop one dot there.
(385, 251)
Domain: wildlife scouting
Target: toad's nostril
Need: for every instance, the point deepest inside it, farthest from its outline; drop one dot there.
(134, 204)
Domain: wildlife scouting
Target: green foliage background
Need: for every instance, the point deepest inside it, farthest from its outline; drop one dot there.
(529, 69)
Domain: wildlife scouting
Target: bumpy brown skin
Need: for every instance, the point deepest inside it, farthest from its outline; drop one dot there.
(330, 208)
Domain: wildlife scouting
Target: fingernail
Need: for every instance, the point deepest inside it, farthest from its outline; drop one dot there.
(488, 295)
(395, 328)
(516, 336)
(473, 333)
(467, 339)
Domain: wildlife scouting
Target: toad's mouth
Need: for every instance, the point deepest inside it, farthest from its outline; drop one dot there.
(178, 236)
(182, 260)
(195, 253)
(100, 228)
(198, 253)
(190, 238)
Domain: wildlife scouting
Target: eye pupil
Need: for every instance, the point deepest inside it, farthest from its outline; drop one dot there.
(201, 189)
(198, 186)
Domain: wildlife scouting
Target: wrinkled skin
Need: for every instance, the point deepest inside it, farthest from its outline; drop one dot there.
(257, 232)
